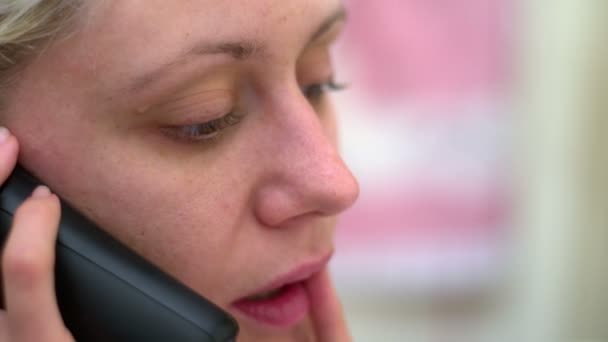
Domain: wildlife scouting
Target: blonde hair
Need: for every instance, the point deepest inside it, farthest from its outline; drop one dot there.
(24, 26)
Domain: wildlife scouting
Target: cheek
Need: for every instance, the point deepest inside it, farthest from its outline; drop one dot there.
(181, 223)
(175, 212)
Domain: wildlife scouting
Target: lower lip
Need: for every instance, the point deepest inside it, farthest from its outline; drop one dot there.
(282, 311)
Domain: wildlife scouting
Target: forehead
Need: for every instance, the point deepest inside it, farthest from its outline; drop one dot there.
(215, 16)
(123, 39)
(130, 26)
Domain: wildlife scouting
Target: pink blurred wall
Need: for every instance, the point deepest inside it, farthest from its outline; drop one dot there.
(425, 130)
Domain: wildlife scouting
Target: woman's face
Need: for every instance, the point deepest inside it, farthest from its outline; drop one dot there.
(197, 133)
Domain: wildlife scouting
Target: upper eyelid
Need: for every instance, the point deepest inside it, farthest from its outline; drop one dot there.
(212, 102)
(222, 101)
(194, 104)
(197, 93)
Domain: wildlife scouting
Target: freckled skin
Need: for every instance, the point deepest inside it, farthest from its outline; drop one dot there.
(224, 217)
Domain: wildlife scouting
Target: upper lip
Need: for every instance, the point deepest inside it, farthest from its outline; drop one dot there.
(299, 273)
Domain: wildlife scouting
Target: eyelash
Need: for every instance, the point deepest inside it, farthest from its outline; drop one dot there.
(316, 91)
(210, 130)
(203, 131)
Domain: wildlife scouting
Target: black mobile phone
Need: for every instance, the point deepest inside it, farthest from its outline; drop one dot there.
(106, 292)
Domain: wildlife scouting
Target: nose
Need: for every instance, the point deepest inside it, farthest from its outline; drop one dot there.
(304, 175)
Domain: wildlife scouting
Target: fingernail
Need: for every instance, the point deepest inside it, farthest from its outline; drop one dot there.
(41, 191)
(4, 134)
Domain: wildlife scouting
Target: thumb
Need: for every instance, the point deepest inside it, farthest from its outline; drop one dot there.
(326, 310)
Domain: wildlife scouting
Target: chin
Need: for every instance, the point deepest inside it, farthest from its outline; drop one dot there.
(301, 332)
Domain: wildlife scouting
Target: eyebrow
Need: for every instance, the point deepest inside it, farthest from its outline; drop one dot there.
(239, 51)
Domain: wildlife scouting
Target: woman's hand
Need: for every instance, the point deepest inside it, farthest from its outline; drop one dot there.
(329, 321)
(28, 262)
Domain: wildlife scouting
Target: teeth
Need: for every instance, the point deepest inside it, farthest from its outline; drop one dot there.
(265, 295)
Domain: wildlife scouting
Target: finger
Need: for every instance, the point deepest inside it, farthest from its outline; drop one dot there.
(3, 327)
(327, 314)
(8, 158)
(28, 269)
(8, 153)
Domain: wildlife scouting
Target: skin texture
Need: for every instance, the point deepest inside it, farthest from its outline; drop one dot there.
(224, 215)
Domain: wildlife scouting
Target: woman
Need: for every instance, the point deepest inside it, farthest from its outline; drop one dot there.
(199, 133)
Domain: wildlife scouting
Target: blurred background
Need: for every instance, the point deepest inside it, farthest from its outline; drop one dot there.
(478, 133)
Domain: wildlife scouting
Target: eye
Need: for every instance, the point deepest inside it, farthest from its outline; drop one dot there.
(315, 92)
(203, 131)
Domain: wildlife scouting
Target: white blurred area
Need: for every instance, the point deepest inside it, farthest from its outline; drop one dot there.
(511, 240)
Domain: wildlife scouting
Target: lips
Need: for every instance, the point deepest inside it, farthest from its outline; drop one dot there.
(284, 301)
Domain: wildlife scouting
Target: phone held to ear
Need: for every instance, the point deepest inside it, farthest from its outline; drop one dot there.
(106, 292)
